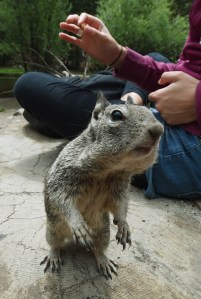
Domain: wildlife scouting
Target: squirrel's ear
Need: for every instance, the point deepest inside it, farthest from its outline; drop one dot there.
(130, 100)
(101, 104)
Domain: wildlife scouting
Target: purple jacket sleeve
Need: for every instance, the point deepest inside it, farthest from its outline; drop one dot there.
(198, 102)
(143, 70)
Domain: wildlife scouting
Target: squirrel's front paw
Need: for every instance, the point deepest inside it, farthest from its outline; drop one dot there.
(83, 235)
(123, 235)
(53, 260)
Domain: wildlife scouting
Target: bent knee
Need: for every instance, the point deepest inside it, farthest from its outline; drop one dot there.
(22, 83)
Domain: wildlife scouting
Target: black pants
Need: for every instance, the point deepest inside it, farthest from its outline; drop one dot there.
(64, 105)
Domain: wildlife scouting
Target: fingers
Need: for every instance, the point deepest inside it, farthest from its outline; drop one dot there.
(89, 20)
(71, 39)
(71, 28)
(154, 96)
(166, 78)
(81, 40)
(170, 77)
(72, 19)
(158, 94)
(83, 19)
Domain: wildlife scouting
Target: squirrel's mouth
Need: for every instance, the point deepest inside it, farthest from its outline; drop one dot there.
(143, 150)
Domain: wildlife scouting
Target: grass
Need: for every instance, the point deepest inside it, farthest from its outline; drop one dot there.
(11, 71)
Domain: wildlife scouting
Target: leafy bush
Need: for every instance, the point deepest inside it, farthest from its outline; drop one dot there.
(29, 33)
(33, 31)
(145, 26)
(7, 52)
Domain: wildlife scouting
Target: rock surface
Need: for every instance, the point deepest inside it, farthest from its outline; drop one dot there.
(164, 260)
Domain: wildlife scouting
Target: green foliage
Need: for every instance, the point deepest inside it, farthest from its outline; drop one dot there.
(84, 6)
(11, 71)
(7, 50)
(33, 29)
(29, 32)
(145, 26)
(181, 7)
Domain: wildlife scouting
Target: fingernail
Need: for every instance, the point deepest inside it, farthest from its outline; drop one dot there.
(83, 25)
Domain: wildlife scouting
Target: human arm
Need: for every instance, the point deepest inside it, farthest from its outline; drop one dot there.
(97, 42)
(142, 69)
(179, 102)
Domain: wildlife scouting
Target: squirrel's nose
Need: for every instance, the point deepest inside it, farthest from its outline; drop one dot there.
(155, 130)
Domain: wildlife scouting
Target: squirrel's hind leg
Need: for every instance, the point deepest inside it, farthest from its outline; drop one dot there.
(55, 239)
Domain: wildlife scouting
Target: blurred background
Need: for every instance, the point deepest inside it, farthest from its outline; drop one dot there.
(29, 33)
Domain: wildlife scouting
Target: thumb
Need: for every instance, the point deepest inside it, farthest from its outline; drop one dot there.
(153, 96)
(168, 77)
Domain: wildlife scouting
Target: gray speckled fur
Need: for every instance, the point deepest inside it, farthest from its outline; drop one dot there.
(91, 176)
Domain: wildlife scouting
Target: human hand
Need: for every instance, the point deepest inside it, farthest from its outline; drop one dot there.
(136, 98)
(176, 102)
(96, 40)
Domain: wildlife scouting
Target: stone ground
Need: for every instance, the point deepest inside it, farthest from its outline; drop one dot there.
(164, 260)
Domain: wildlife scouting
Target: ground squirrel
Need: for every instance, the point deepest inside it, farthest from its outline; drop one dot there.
(91, 176)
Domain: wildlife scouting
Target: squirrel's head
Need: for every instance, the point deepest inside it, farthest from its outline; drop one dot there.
(125, 128)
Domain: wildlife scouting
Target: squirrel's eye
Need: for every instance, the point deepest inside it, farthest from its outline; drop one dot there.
(117, 115)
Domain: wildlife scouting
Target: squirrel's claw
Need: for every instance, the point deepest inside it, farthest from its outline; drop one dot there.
(123, 235)
(83, 235)
(106, 266)
(53, 261)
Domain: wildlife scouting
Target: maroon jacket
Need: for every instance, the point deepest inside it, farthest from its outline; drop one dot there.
(149, 71)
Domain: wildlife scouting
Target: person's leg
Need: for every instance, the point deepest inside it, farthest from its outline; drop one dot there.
(177, 171)
(114, 88)
(56, 103)
(63, 106)
(140, 181)
(40, 127)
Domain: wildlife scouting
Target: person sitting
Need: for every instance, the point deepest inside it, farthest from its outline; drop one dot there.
(64, 106)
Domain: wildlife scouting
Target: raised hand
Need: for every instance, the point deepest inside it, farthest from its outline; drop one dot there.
(92, 37)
